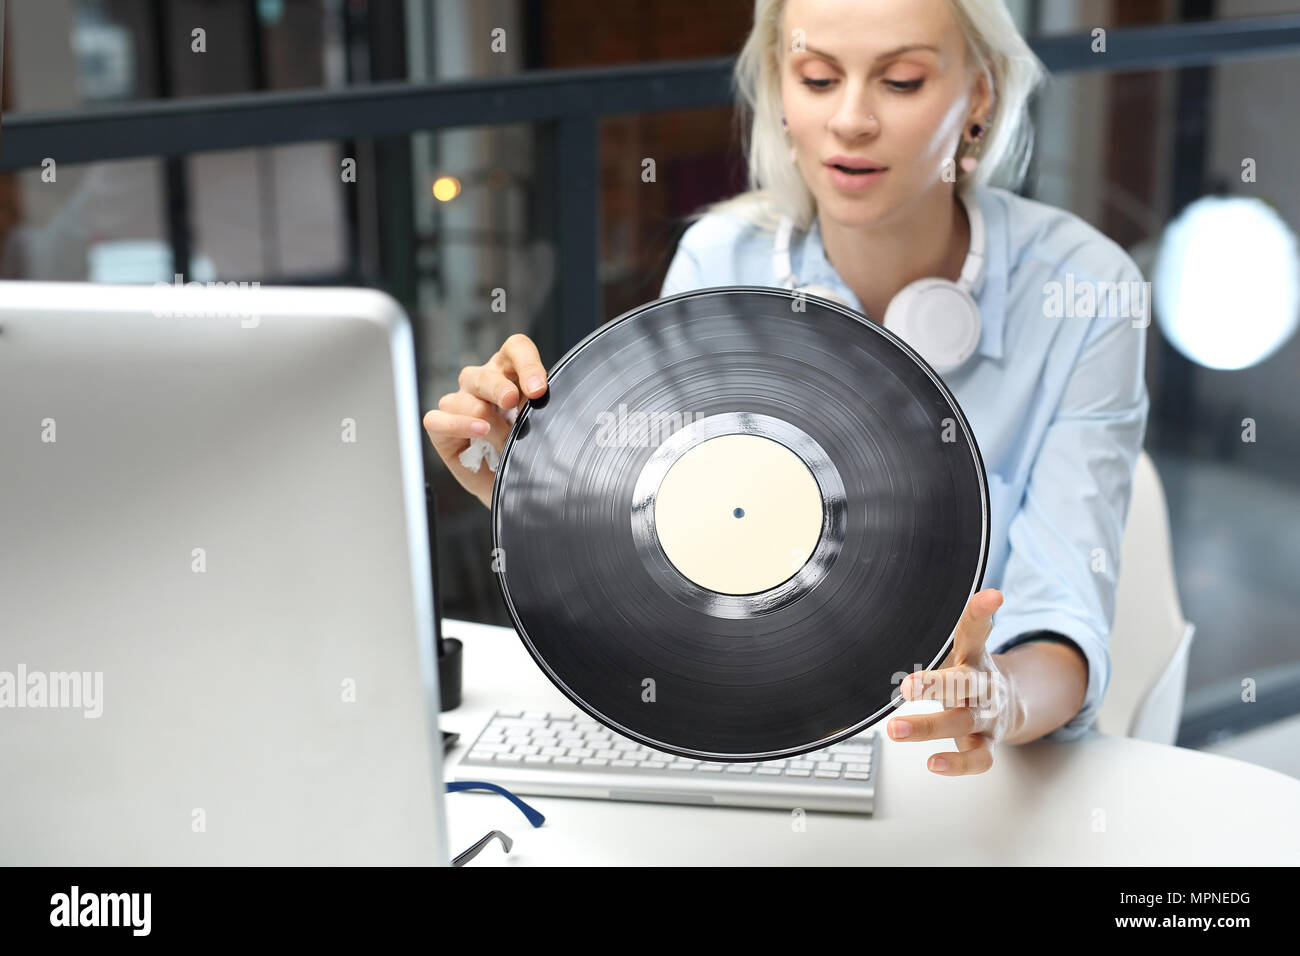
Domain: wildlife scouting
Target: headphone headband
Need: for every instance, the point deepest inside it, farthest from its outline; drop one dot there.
(971, 270)
(781, 253)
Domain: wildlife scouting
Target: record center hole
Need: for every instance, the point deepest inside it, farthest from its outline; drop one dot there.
(739, 512)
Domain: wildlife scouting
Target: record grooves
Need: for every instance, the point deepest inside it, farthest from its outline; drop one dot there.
(730, 525)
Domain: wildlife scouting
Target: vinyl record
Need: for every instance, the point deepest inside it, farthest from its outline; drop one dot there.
(736, 519)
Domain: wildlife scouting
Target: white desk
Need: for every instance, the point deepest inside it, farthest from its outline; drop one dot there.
(1097, 801)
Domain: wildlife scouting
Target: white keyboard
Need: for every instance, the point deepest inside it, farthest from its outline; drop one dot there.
(572, 755)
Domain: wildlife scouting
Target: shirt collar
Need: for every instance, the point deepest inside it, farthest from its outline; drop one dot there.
(990, 289)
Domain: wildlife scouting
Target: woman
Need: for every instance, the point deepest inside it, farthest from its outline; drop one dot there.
(931, 95)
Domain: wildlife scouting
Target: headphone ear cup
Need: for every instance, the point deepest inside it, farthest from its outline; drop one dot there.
(938, 319)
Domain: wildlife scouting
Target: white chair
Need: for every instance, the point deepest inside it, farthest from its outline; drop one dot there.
(1150, 639)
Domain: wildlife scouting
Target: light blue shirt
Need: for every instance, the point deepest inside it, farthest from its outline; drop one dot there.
(1055, 394)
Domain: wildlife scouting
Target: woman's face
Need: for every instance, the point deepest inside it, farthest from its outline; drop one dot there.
(901, 61)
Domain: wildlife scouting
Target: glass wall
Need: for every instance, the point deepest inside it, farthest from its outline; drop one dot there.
(1128, 153)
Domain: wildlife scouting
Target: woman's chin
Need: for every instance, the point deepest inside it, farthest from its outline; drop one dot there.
(851, 213)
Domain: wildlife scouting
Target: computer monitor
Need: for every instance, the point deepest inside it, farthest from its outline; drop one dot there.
(216, 636)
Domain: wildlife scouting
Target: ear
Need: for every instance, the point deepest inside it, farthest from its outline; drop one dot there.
(981, 102)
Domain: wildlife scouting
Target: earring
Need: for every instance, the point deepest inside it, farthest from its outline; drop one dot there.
(968, 163)
(785, 126)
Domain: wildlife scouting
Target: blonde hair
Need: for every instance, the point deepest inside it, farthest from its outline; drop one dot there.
(776, 186)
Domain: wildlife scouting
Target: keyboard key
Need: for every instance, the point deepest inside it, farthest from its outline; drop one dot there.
(581, 752)
(537, 759)
(829, 774)
(741, 768)
(554, 751)
(622, 763)
(681, 765)
(799, 764)
(857, 768)
(595, 762)
(484, 755)
(527, 749)
(854, 775)
(769, 771)
(509, 758)
(654, 764)
(520, 724)
(709, 768)
(565, 761)
(797, 772)
(610, 754)
(827, 765)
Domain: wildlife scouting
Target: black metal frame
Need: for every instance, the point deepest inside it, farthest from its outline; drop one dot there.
(570, 101)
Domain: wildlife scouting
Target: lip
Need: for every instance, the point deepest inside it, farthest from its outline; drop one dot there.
(855, 162)
(853, 182)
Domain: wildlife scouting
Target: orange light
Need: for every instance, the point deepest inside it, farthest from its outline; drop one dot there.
(446, 188)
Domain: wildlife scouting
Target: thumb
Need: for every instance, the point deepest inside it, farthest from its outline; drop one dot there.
(975, 625)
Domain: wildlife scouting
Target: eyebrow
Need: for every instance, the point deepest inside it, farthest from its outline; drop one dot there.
(888, 54)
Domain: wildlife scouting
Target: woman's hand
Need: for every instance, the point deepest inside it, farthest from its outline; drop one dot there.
(982, 704)
(478, 409)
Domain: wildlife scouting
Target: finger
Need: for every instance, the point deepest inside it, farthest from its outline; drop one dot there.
(451, 426)
(520, 356)
(975, 625)
(955, 686)
(446, 429)
(953, 723)
(977, 759)
(463, 403)
(490, 383)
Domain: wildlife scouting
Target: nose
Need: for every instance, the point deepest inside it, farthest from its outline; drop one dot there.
(854, 116)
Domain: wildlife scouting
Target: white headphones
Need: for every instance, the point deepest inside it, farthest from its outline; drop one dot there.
(938, 318)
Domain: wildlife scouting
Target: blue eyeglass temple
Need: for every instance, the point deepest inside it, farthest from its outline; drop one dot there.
(534, 817)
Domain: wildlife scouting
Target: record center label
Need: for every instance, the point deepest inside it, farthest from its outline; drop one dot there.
(738, 514)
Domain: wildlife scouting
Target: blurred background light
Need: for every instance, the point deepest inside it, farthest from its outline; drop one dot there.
(446, 188)
(1227, 282)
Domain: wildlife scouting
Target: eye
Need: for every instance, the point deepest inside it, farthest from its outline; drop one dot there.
(901, 86)
(817, 84)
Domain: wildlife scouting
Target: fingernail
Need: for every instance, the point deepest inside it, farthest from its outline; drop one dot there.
(480, 428)
(505, 393)
(900, 729)
(939, 764)
(533, 384)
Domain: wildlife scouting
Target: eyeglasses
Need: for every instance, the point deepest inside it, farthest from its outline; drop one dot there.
(534, 817)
